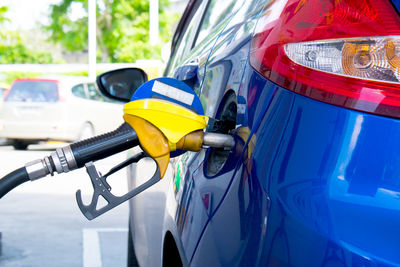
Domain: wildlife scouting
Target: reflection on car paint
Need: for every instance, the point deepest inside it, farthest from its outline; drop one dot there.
(307, 184)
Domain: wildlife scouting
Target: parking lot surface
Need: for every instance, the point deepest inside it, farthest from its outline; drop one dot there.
(41, 224)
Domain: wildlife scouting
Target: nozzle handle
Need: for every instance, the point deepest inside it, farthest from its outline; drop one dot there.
(105, 145)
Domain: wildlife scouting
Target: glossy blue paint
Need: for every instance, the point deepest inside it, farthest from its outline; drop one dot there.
(396, 4)
(326, 181)
(186, 72)
(227, 71)
(335, 176)
(307, 184)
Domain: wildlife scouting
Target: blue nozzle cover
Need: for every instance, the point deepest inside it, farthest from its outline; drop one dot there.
(171, 90)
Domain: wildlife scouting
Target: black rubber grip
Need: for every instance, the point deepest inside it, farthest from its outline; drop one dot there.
(12, 180)
(102, 146)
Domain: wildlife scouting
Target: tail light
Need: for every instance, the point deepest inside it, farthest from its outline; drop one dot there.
(6, 92)
(61, 93)
(61, 98)
(342, 52)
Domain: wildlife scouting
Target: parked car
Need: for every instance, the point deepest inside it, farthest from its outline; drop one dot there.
(61, 108)
(310, 90)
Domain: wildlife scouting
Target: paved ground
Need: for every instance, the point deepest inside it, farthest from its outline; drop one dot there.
(41, 224)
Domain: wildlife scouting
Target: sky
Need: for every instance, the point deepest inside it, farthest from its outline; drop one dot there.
(24, 14)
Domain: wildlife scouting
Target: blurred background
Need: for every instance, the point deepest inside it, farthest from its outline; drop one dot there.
(50, 54)
(43, 43)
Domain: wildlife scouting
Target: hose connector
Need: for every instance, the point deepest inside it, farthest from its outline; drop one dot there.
(60, 161)
(38, 168)
(63, 159)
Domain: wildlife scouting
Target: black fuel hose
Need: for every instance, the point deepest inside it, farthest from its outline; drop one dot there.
(12, 180)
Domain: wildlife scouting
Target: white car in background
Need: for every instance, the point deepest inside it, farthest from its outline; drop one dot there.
(62, 108)
(4, 88)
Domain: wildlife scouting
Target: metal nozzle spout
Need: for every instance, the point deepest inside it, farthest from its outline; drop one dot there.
(218, 140)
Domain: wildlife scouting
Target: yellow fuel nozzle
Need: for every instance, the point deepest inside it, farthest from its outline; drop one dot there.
(163, 126)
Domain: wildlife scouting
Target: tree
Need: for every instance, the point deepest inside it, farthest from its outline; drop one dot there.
(122, 28)
(3, 10)
(13, 49)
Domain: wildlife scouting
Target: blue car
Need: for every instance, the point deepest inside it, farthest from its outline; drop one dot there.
(310, 90)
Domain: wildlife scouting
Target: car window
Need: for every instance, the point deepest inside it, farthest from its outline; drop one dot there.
(185, 43)
(33, 91)
(94, 94)
(216, 13)
(79, 91)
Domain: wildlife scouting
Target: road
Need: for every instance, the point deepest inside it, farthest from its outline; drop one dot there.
(41, 224)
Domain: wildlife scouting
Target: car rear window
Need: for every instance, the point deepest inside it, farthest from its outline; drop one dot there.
(33, 91)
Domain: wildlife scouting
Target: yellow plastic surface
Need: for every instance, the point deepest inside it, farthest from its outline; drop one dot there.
(172, 120)
(152, 141)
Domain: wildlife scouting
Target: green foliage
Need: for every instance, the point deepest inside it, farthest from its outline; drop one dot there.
(75, 73)
(13, 49)
(9, 77)
(71, 34)
(18, 54)
(122, 29)
(3, 10)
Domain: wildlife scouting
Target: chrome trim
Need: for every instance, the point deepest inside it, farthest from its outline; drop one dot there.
(56, 161)
(37, 169)
(47, 161)
(63, 160)
(69, 156)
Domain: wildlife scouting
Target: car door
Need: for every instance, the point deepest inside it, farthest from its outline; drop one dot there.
(104, 114)
(156, 210)
(202, 179)
(238, 210)
(188, 63)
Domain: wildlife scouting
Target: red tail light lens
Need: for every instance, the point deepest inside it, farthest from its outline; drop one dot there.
(6, 92)
(61, 93)
(342, 52)
(61, 98)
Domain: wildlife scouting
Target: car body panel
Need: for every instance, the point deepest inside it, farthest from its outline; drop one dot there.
(310, 196)
(307, 184)
(149, 215)
(224, 72)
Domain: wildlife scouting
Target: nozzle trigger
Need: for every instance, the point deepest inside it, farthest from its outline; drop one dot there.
(102, 188)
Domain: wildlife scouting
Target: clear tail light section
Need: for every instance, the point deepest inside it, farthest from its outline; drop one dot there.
(342, 52)
(374, 58)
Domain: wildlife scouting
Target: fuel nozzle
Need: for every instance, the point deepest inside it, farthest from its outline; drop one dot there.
(162, 117)
(163, 127)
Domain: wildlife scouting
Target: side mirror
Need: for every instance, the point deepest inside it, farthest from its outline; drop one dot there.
(120, 84)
